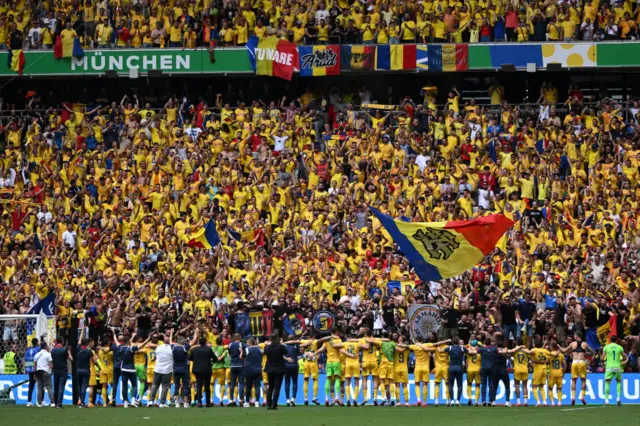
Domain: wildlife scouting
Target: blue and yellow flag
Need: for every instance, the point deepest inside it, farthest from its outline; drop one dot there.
(272, 56)
(319, 60)
(439, 250)
(206, 237)
(448, 57)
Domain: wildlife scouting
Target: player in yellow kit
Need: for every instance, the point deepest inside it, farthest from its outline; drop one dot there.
(441, 373)
(401, 370)
(521, 372)
(385, 368)
(105, 357)
(151, 364)
(539, 359)
(421, 373)
(474, 361)
(351, 351)
(332, 345)
(369, 367)
(310, 370)
(557, 365)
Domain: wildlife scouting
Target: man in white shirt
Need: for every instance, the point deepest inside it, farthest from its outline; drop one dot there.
(162, 373)
(69, 237)
(44, 367)
(349, 297)
(322, 13)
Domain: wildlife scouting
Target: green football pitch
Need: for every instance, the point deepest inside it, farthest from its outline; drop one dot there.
(322, 416)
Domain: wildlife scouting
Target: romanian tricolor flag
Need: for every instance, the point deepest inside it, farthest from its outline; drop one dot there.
(15, 60)
(396, 57)
(319, 60)
(206, 238)
(357, 57)
(448, 57)
(272, 56)
(439, 250)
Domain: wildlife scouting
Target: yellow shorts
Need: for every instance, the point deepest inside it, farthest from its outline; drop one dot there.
(421, 374)
(106, 377)
(578, 370)
(520, 375)
(442, 373)
(555, 381)
(539, 378)
(352, 370)
(370, 369)
(385, 371)
(401, 376)
(310, 370)
(219, 374)
(150, 372)
(473, 377)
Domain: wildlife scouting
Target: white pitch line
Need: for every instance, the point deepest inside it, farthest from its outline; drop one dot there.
(582, 408)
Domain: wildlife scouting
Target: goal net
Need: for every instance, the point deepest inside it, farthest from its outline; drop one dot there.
(16, 333)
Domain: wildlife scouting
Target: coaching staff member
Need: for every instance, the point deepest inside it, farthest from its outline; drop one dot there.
(202, 357)
(275, 369)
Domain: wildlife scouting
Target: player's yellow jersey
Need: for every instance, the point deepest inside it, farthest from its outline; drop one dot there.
(520, 362)
(423, 359)
(140, 357)
(540, 354)
(556, 360)
(264, 357)
(473, 362)
(333, 354)
(106, 359)
(400, 360)
(352, 348)
(442, 359)
(311, 349)
(370, 355)
(151, 358)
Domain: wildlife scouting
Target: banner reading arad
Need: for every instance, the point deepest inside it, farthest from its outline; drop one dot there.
(323, 322)
(424, 320)
(272, 56)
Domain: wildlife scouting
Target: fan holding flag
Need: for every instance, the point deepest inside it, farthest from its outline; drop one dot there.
(15, 59)
(68, 44)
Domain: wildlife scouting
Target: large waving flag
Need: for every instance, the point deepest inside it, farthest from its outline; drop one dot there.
(272, 56)
(205, 238)
(440, 250)
(15, 60)
(448, 57)
(319, 60)
(396, 57)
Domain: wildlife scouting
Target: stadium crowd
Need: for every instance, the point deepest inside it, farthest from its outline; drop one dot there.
(100, 201)
(191, 24)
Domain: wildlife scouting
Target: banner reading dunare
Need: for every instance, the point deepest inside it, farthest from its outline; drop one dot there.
(272, 56)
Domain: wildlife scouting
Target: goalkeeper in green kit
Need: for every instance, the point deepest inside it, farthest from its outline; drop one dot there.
(615, 357)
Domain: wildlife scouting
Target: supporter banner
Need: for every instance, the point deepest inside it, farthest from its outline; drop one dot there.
(293, 324)
(594, 394)
(357, 58)
(396, 57)
(569, 54)
(272, 56)
(423, 320)
(319, 60)
(169, 61)
(448, 57)
(422, 58)
(261, 323)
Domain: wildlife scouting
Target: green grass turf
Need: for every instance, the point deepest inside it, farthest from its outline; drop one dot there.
(322, 416)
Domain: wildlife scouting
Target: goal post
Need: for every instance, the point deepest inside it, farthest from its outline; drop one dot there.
(17, 331)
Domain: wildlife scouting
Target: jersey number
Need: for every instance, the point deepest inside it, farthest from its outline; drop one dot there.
(520, 358)
(152, 355)
(401, 357)
(474, 359)
(555, 364)
(613, 355)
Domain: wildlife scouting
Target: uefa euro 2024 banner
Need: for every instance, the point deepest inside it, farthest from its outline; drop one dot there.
(595, 390)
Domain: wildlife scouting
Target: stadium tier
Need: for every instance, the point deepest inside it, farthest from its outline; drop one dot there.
(203, 203)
